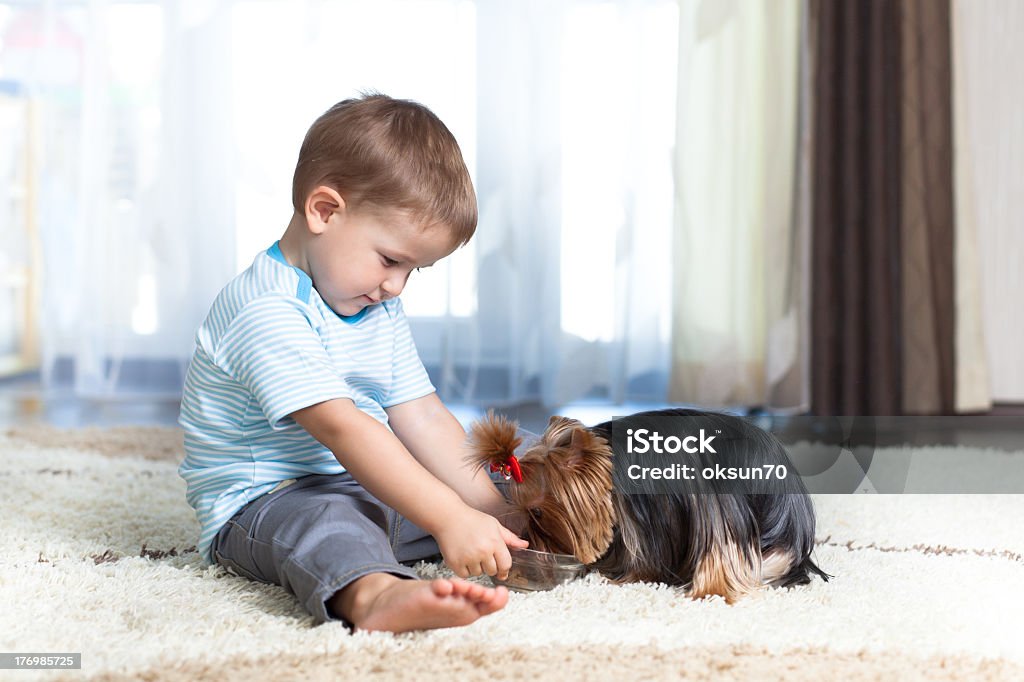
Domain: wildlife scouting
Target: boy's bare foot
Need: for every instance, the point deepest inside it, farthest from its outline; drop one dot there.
(381, 601)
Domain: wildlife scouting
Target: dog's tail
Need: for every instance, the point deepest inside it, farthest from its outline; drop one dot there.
(787, 524)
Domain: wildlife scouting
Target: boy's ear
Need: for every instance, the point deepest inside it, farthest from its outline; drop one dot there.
(321, 204)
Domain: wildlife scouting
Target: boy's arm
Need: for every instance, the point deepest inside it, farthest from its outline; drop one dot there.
(472, 543)
(437, 440)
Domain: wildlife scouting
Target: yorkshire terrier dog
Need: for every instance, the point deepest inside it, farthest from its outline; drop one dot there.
(709, 537)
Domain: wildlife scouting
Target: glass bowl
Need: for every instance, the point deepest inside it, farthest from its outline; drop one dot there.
(534, 571)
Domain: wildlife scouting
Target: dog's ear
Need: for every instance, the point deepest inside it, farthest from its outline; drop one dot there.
(559, 432)
(577, 441)
(560, 425)
(584, 444)
(492, 440)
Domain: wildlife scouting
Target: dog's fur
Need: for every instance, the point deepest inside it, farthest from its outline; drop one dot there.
(710, 541)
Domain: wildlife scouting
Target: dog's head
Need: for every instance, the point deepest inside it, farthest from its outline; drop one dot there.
(566, 488)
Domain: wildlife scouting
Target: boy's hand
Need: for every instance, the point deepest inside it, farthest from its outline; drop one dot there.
(474, 543)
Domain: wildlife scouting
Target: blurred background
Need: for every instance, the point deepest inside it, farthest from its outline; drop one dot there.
(771, 206)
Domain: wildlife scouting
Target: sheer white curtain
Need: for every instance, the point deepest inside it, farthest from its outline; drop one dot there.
(741, 315)
(576, 111)
(133, 164)
(989, 163)
(170, 148)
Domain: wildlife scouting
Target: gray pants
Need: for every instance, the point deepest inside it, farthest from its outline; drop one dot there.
(316, 536)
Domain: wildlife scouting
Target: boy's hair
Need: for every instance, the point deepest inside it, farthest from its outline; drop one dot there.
(388, 153)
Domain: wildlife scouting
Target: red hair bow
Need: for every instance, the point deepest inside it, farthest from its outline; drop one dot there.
(509, 469)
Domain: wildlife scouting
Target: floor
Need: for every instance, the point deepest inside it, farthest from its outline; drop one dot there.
(24, 403)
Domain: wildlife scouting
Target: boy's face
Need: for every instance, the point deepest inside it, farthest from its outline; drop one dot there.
(364, 257)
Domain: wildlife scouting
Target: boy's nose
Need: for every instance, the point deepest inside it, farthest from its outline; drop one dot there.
(390, 288)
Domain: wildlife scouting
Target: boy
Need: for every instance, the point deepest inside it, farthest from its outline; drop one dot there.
(318, 456)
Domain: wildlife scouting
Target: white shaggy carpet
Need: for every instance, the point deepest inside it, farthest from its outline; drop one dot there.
(97, 556)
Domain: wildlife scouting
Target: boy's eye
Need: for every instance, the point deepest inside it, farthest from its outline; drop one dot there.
(389, 261)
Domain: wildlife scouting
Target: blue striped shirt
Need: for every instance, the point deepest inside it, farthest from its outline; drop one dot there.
(268, 347)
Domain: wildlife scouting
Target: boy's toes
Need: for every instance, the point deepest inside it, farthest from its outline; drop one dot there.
(478, 594)
(495, 601)
(458, 587)
(467, 590)
(443, 587)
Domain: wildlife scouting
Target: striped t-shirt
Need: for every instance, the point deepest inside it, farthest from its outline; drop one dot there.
(268, 347)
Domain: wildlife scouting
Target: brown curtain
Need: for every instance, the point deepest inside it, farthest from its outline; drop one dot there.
(881, 220)
(927, 209)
